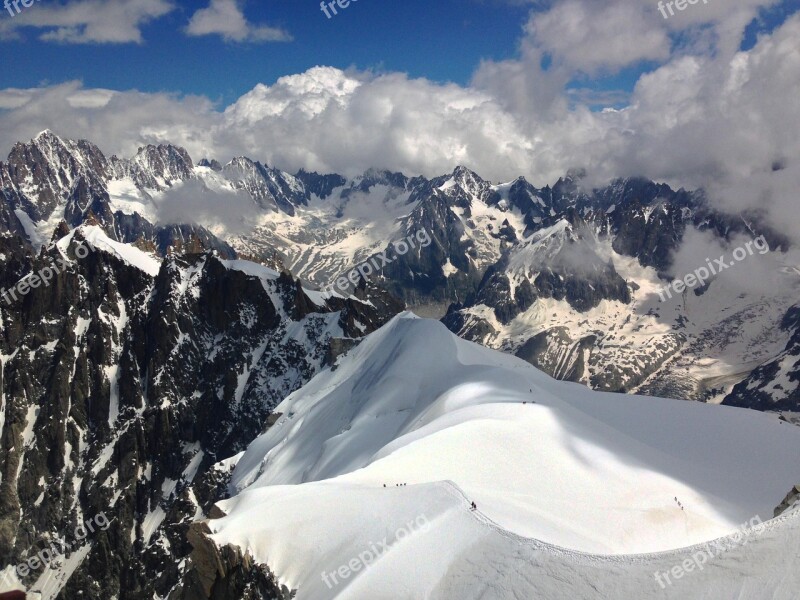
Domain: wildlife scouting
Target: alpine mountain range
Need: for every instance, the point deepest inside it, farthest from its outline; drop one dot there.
(134, 382)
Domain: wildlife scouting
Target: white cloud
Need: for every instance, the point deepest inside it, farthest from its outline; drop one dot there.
(192, 202)
(757, 272)
(119, 122)
(327, 120)
(88, 21)
(225, 18)
(13, 98)
(605, 35)
(591, 36)
(717, 119)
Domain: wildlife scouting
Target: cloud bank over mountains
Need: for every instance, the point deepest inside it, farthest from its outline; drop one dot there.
(706, 114)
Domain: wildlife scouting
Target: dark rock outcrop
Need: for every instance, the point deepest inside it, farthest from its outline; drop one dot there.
(225, 573)
(122, 390)
(792, 499)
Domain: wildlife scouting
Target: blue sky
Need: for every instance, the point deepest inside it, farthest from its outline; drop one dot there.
(442, 40)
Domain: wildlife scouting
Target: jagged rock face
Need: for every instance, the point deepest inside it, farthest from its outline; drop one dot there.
(322, 226)
(49, 171)
(162, 165)
(373, 178)
(154, 167)
(645, 220)
(225, 573)
(56, 342)
(464, 242)
(418, 275)
(464, 186)
(495, 291)
(269, 188)
(474, 222)
(320, 185)
(13, 203)
(121, 389)
(180, 239)
(562, 265)
(580, 293)
(15, 260)
(528, 200)
(50, 176)
(536, 352)
(609, 332)
(211, 164)
(792, 499)
(774, 386)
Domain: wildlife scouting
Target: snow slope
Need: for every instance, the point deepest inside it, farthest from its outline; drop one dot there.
(128, 253)
(557, 472)
(689, 346)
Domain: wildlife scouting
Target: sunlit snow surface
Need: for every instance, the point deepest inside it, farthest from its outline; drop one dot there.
(556, 471)
(97, 239)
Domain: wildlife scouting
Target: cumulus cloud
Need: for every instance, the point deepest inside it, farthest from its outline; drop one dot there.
(324, 119)
(598, 35)
(595, 36)
(708, 115)
(88, 21)
(225, 18)
(329, 120)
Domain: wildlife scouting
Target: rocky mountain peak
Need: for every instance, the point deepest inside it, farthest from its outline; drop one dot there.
(166, 164)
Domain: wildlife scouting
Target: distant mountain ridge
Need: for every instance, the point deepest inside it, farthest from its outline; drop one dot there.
(501, 253)
(49, 179)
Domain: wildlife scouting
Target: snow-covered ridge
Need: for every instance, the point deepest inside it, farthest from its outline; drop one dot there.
(547, 461)
(98, 240)
(149, 263)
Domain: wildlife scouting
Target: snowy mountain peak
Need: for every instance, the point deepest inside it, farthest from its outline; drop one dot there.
(467, 179)
(46, 135)
(166, 164)
(270, 188)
